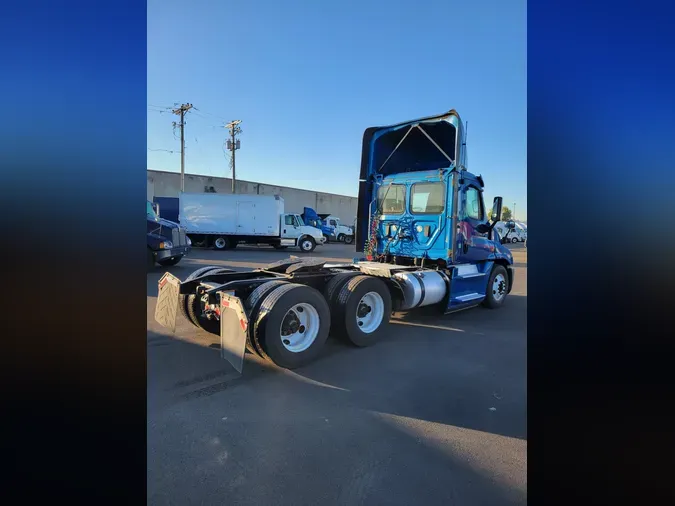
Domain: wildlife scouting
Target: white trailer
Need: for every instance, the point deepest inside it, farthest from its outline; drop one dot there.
(223, 220)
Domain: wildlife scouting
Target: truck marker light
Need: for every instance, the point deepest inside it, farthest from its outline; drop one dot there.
(243, 324)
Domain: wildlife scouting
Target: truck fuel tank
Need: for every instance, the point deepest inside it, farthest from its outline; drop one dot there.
(422, 288)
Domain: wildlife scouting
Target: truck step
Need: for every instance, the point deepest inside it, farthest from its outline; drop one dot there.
(466, 271)
(468, 297)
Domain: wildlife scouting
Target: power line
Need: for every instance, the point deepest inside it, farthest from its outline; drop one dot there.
(166, 150)
(210, 114)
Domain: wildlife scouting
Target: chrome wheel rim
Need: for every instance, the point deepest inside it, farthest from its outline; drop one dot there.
(499, 287)
(370, 312)
(306, 245)
(220, 243)
(299, 327)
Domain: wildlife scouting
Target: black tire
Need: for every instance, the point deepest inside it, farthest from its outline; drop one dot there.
(348, 304)
(150, 259)
(252, 306)
(194, 310)
(327, 238)
(222, 243)
(334, 286)
(305, 242)
(349, 239)
(514, 240)
(493, 299)
(273, 310)
(168, 262)
(189, 300)
(341, 237)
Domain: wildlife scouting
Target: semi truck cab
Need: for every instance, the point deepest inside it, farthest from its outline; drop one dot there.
(340, 232)
(167, 242)
(420, 206)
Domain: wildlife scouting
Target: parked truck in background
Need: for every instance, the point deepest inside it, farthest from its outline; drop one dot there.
(341, 232)
(168, 207)
(225, 220)
(329, 225)
(426, 238)
(509, 231)
(167, 241)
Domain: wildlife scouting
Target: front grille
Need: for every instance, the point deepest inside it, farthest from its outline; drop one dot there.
(175, 237)
(182, 237)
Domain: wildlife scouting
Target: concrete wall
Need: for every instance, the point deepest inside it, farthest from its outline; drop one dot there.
(167, 184)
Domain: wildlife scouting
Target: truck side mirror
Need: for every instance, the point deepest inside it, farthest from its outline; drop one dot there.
(155, 207)
(496, 214)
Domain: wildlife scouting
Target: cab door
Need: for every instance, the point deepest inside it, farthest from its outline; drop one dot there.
(472, 246)
(332, 223)
(290, 227)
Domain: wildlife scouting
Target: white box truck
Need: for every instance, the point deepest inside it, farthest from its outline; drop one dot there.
(223, 220)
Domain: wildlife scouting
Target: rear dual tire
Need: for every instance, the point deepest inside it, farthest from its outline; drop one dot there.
(361, 307)
(291, 325)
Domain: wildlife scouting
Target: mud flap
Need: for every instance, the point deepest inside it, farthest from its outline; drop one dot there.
(166, 309)
(233, 326)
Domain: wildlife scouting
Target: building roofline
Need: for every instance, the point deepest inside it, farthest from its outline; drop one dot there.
(252, 182)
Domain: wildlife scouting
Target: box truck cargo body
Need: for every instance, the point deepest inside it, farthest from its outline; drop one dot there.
(225, 220)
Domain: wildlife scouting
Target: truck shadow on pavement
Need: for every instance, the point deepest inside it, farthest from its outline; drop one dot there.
(397, 427)
(445, 369)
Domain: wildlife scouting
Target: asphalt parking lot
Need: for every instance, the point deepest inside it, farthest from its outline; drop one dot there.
(435, 414)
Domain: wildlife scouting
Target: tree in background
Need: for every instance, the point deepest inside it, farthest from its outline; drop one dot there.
(506, 214)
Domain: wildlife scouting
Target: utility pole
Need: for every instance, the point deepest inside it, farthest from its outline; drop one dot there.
(514, 211)
(232, 145)
(180, 111)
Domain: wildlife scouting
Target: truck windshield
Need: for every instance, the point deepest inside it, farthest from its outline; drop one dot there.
(391, 198)
(150, 210)
(427, 198)
(300, 222)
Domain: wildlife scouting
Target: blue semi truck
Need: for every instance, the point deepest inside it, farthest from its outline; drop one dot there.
(426, 237)
(167, 242)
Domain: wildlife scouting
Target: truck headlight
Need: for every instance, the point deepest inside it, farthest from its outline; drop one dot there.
(189, 242)
(165, 245)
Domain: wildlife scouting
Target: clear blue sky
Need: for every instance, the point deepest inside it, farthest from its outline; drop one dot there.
(308, 77)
